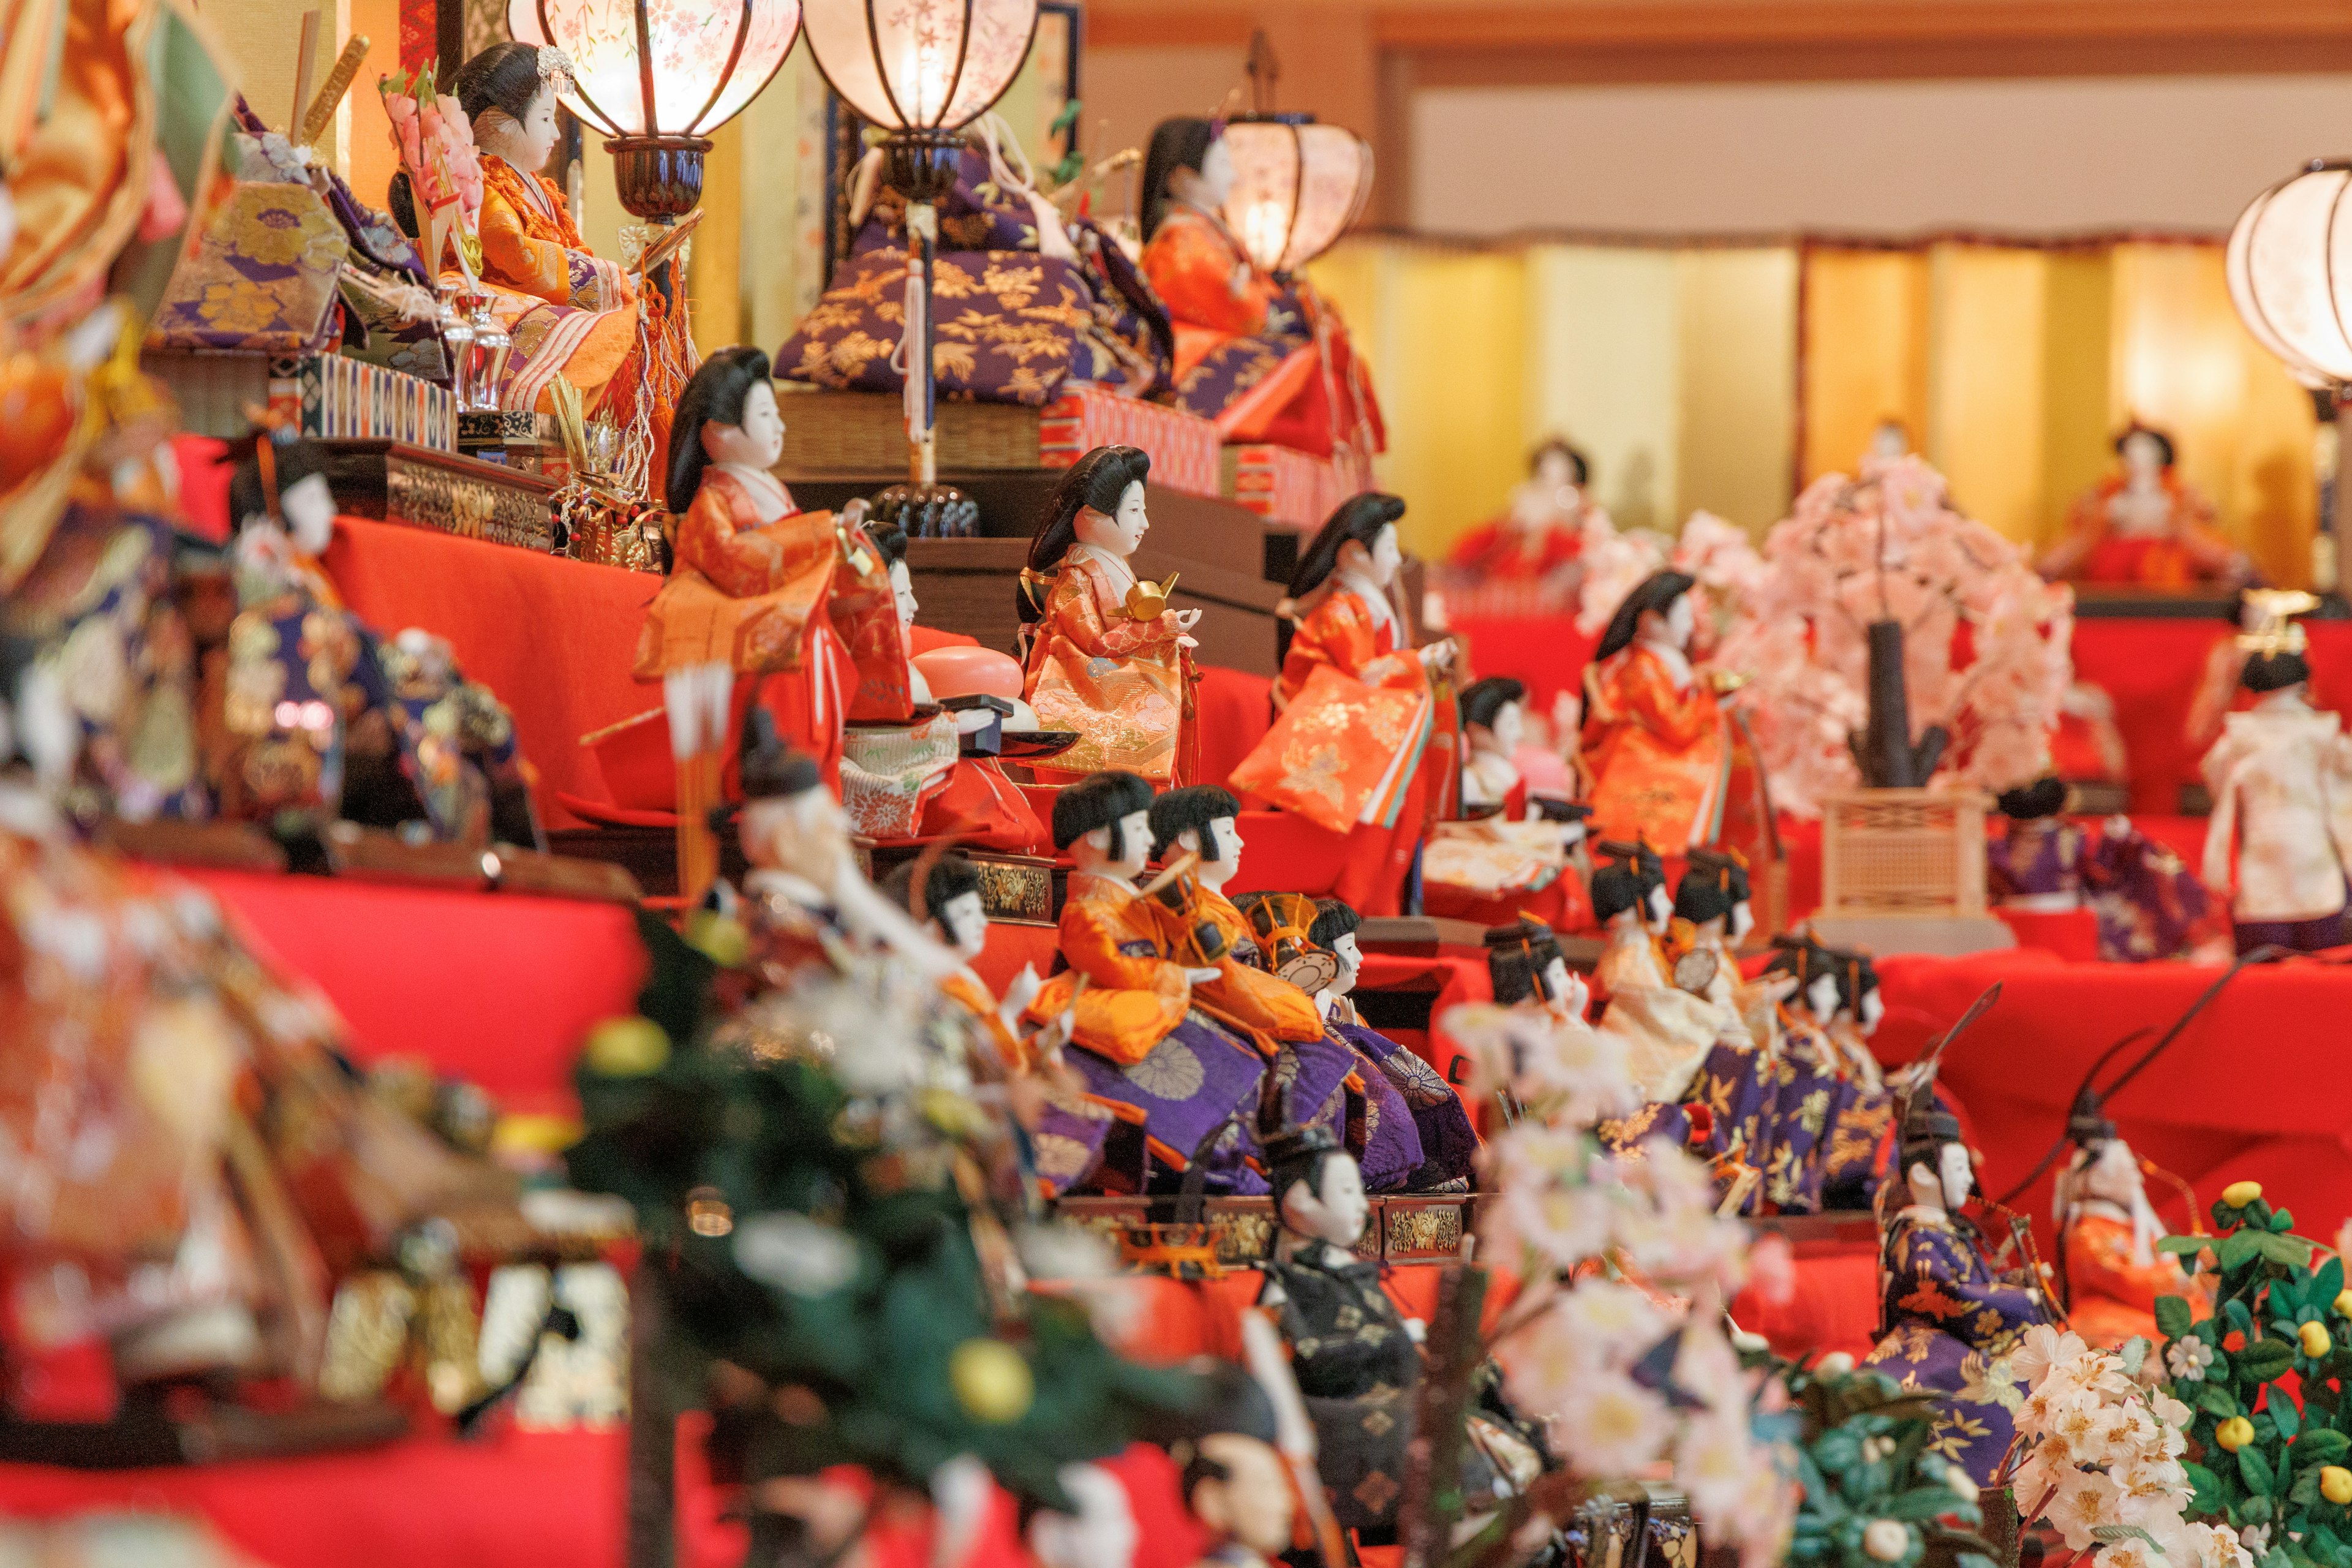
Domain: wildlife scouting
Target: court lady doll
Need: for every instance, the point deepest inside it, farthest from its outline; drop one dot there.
(1656, 746)
(1136, 1037)
(1361, 744)
(760, 587)
(1104, 656)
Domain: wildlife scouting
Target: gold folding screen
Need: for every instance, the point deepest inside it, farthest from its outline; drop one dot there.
(1722, 376)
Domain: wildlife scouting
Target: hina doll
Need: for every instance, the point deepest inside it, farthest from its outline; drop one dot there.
(762, 588)
(1136, 1033)
(1513, 853)
(2280, 838)
(1265, 358)
(2262, 612)
(890, 770)
(1104, 656)
(1950, 1318)
(568, 312)
(1526, 968)
(1660, 987)
(2145, 527)
(1360, 729)
(2142, 900)
(1629, 899)
(1067, 1130)
(1540, 539)
(2109, 1272)
(1655, 746)
(1716, 897)
(1233, 1480)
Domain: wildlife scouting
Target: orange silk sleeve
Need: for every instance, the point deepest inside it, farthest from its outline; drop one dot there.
(1080, 619)
(1129, 1003)
(741, 558)
(1190, 265)
(1090, 941)
(1682, 718)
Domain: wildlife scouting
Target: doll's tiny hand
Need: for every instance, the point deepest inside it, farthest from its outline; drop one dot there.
(1186, 619)
(1202, 976)
(1187, 642)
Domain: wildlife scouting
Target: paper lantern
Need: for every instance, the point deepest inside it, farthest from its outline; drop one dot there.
(1297, 187)
(2290, 271)
(921, 65)
(659, 78)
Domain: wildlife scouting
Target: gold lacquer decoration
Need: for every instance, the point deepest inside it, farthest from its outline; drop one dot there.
(1147, 601)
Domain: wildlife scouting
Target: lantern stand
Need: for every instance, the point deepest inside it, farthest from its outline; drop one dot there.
(922, 165)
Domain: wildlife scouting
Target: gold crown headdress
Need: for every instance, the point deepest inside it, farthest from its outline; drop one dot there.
(2270, 626)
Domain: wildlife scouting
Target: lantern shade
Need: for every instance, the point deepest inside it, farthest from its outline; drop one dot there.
(2289, 265)
(921, 65)
(1295, 189)
(708, 62)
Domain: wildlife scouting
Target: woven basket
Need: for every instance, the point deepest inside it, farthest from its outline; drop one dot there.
(1903, 852)
(862, 433)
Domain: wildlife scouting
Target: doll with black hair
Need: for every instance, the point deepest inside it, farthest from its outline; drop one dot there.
(1540, 538)
(2280, 839)
(1364, 741)
(1629, 902)
(760, 587)
(569, 311)
(1230, 1475)
(1511, 853)
(1104, 656)
(1656, 746)
(2145, 525)
(1126, 1004)
(2109, 1272)
(1265, 357)
(2046, 870)
(1671, 998)
(1527, 968)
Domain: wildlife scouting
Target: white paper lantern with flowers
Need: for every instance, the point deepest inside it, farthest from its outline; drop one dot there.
(2289, 264)
(656, 79)
(1297, 188)
(921, 70)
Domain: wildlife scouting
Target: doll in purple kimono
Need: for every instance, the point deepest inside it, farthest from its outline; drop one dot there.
(1440, 1122)
(2146, 899)
(1950, 1318)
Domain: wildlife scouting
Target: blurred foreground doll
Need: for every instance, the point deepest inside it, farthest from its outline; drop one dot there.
(1138, 1033)
(1364, 741)
(1656, 746)
(1267, 358)
(2109, 1272)
(1949, 1316)
(2142, 902)
(2280, 840)
(2145, 526)
(1106, 657)
(1538, 540)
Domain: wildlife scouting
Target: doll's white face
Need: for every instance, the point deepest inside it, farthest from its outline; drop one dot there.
(1135, 835)
(1662, 909)
(964, 924)
(1503, 737)
(1225, 834)
(1873, 1008)
(2115, 1175)
(1743, 921)
(1216, 175)
(1560, 986)
(1821, 996)
(309, 508)
(526, 143)
(902, 587)
(1674, 627)
(2143, 455)
(805, 835)
(1554, 471)
(757, 442)
(1336, 1209)
(1121, 532)
(1889, 441)
(1351, 965)
(1378, 564)
(1252, 1505)
(1958, 1176)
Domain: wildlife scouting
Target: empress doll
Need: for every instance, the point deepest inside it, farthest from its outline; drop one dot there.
(760, 587)
(1361, 744)
(1265, 357)
(1656, 746)
(569, 311)
(2145, 526)
(1104, 655)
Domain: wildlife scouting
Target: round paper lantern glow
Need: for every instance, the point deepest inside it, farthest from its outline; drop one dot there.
(2290, 271)
(653, 69)
(921, 65)
(1296, 188)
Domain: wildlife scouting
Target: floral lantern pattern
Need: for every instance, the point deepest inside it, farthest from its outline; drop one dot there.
(2290, 271)
(921, 65)
(699, 67)
(1295, 189)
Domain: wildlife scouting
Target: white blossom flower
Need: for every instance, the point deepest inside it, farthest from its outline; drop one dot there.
(2255, 1539)
(1609, 1426)
(2043, 1349)
(2188, 1356)
(2085, 1500)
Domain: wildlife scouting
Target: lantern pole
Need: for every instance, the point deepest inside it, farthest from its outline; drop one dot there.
(922, 165)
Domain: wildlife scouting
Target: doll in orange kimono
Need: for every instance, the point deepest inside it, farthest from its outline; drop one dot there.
(2145, 526)
(1138, 1033)
(568, 311)
(1265, 357)
(2108, 1266)
(1205, 821)
(763, 588)
(1104, 655)
(1656, 746)
(1365, 740)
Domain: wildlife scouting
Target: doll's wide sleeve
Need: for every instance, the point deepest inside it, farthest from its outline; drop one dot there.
(1081, 621)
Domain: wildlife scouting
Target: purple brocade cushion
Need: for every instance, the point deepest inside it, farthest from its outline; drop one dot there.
(262, 277)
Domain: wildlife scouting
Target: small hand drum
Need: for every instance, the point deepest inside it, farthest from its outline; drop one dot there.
(1695, 970)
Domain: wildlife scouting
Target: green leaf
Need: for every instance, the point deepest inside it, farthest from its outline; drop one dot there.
(2210, 1496)
(2328, 1283)
(2282, 1413)
(2264, 1359)
(2172, 1315)
(2233, 1250)
(1920, 1503)
(2305, 1491)
(2282, 1222)
(2184, 1245)
(2321, 1446)
(2241, 1316)
(2292, 1250)
(2217, 1398)
(2255, 1470)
